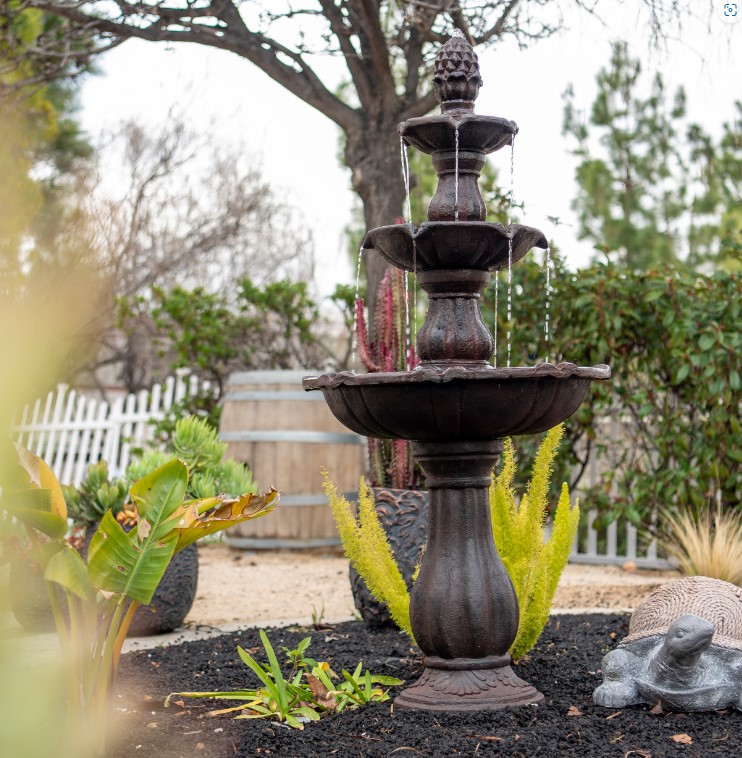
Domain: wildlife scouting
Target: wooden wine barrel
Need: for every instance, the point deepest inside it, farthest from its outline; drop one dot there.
(286, 436)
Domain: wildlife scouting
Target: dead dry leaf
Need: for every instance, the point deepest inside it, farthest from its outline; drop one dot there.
(574, 711)
(657, 708)
(683, 739)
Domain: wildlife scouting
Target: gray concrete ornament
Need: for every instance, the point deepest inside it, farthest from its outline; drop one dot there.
(683, 650)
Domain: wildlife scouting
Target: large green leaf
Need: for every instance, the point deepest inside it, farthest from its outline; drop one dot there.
(119, 562)
(68, 569)
(202, 517)
(35, 508)
(158, 495)
(41, 476)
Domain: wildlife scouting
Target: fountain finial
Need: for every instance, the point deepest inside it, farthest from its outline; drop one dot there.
(457, 79)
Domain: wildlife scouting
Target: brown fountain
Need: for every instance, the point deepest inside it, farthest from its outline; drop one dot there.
(455, 407)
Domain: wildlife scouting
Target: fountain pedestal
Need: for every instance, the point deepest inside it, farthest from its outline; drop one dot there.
(463, 608)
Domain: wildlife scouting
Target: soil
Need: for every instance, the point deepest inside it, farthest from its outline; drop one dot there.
(254, 588)
(564, 666)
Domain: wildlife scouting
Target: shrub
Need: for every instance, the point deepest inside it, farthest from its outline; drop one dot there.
(534, 565)
(672, 340)
(705, 544)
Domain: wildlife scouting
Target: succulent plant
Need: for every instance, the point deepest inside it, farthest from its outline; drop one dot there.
(197, 444)
(88, 503)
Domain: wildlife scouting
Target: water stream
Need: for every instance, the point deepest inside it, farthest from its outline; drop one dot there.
(547, 317)
(510, 245)
(497, 297)
(354, 337)
(414, 293)
(406, 175)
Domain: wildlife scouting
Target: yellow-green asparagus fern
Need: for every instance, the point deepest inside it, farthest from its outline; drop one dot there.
(368, 550)
(534, 565)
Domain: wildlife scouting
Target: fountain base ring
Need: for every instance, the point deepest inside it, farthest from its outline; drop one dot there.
(468, 690)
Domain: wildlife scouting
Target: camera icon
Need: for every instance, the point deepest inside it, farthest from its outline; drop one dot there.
(729, 11)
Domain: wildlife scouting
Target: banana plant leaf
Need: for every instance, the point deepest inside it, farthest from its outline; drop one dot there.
(35, 508)
(158, 496)
(42, 477)
(119, 562)
(201, 517)
(68, 569)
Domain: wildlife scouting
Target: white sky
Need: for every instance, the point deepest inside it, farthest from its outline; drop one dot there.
(227, 97)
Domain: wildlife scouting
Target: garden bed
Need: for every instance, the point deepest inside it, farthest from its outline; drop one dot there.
(564, 666)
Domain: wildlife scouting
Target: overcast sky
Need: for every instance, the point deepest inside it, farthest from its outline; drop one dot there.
(232, 100)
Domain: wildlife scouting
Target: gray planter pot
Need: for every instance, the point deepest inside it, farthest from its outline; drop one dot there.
(404, 516)
(172, 601)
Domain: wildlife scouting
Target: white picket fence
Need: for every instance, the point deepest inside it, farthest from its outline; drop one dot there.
(70, 430)
(606, 551)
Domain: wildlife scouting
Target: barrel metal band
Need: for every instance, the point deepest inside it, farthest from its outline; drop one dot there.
(271, 395)
(292, 435)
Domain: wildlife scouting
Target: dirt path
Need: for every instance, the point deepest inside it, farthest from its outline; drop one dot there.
(242, 587)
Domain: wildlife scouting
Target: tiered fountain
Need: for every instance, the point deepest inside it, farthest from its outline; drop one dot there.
(455, 407)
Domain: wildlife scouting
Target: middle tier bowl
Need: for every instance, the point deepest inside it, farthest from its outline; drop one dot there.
(434, 404)
(437, 245)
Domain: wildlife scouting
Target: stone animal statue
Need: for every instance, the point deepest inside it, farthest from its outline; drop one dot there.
(683, 650)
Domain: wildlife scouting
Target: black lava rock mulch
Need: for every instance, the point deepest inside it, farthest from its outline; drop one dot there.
(564, 666)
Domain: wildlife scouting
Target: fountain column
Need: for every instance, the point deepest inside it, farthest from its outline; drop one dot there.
(463, 607)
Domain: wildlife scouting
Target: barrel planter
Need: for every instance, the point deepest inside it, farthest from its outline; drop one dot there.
(287, 436)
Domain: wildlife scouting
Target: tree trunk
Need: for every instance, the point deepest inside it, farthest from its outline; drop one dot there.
(373, 155)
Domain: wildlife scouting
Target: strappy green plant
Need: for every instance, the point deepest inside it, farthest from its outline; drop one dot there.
(533, 563)
(306, 694)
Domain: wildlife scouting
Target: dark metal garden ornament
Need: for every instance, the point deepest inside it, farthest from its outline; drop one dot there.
(683, 650)
(455, 407)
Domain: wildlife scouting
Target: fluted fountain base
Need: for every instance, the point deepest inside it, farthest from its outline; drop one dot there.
(468, 684)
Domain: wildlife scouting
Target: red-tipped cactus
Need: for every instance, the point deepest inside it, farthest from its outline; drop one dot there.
(390, 460)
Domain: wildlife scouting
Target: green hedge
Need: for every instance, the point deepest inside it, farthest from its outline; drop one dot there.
(672, 339)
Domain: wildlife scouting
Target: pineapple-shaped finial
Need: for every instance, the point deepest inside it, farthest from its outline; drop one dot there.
(457, 79)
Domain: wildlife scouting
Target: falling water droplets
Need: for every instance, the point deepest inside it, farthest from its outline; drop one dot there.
(456, 179)
(512, 179)
(497, 297)
(406, 174)
(510, 293)
(408, 326)
(414, 293)
(547, 317)
(510, 245)
(355, 308)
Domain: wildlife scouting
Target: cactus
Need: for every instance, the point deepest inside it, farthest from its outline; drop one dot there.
(390, 461)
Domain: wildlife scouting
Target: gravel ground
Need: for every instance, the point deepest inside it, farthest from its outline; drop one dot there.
(564, 666)
(249, 588)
